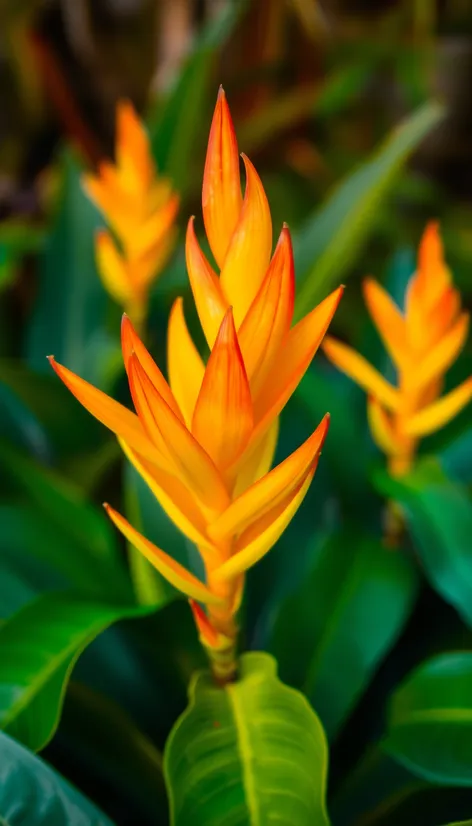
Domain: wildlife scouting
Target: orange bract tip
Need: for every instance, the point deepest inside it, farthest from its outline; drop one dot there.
(248, 254)
(221, 193)
(222, 419)
(208, 634)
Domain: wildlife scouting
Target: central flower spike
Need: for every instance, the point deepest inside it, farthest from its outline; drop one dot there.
(423, 343)
(141, 209)
(204, 442)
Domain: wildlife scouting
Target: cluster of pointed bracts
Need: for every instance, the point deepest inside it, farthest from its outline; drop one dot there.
(140, 208)
(204, 441)
(423, 342)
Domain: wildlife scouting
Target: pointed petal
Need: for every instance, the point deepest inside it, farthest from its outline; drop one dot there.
(193, 466)
(176, 574)
(381, 428)
(131, 345)
(221, 195)
(112, 268)
(248, 254)
(359, 369)
(175, 499)
(209, 635)
(133, 155)
(388, 320)
(438, 360)
(433, 275)
(222, 420)
(442, 315)
(269, 317)
(184, 365)
(271, 489)
(293, 361)
(258, 462)
(113, 415)
(152, 233)
(441, 412)
(209, 299)
(259, 539)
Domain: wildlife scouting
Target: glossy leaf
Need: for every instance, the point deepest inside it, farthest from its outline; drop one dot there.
(146, 515)
(325, 247)
(71, 303)
(31, 792)
(343, 619)
(251, 753)
(20, 426)
(439, 516)
(110, 743)
(39, 646)
(429, 726)
(65, 425)
(89, 543)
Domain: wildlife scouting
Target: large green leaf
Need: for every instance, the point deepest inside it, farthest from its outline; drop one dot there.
(108, 741)
(71, 303)
(377, 783)
(342, 621)
(430, 720)
(249, 754)
(439, 516)
(89, 547)
(178, 124)
(147, 516)
(39, 646)
(65, 424)
(348, 449)
(20, 426)
(32, 558)
(34, 794)
(327, 244)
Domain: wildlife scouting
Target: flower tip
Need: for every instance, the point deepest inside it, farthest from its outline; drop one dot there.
(221, 92)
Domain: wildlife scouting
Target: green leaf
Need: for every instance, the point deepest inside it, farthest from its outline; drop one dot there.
(32, 793)
(145, 513)
(456, 458)
(65, 425)
(70, 308)
(248, 754)
(328, 243)
(20, 426)
(347, 449)
(109, 742)
(39, 647)
(377, 783)
(344, 619)
(430, 720)
(439, 515)
(32, 558)
(90, 554)
(178, 124)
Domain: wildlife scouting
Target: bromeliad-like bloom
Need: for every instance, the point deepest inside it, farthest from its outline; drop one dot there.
(423, 342)
(204, 443)
(140, 209)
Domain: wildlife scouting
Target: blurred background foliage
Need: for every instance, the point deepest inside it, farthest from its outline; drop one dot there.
(357, 115)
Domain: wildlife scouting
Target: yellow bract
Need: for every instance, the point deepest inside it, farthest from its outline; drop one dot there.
(422, 342)
(204, 443)
(140, 209)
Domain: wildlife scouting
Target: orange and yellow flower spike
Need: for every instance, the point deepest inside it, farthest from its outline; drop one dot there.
(423, 342)
(205, 441)
(140, 209)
